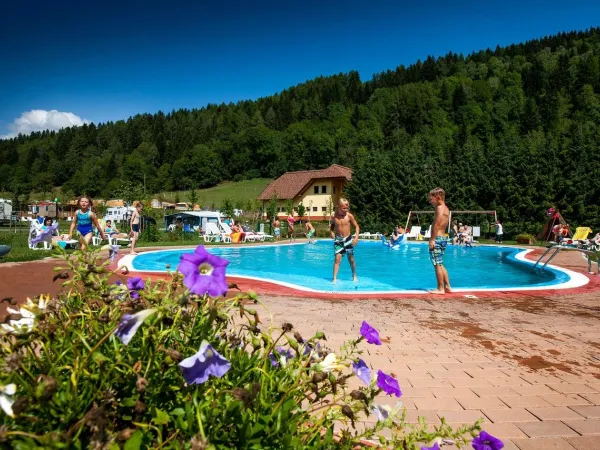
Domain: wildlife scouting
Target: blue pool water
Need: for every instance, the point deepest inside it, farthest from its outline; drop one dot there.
(379, 269)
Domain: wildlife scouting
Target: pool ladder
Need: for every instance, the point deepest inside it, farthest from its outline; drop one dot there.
(553, 250)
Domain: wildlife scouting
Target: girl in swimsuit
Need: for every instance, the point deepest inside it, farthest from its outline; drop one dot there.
(83, 219)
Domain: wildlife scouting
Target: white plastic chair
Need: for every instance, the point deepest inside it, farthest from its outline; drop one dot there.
(414, 232)
(427, 234)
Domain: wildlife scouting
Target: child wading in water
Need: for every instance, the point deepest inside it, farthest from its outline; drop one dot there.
(438, 241)
(344, 241)
(83, 219)
(135, 226)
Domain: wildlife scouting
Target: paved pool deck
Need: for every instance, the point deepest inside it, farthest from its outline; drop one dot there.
(528, 362)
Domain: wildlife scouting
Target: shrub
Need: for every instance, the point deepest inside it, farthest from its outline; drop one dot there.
(524, 237)
(176, 365)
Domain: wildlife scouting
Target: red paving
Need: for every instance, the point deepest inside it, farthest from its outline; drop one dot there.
(528, 363)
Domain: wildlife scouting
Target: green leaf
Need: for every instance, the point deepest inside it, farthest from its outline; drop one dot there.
(129, 401)
(162, 418)
(99, 358)
(135, 441)
(178, 412)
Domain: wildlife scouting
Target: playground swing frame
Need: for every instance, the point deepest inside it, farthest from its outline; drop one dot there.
(416, 213)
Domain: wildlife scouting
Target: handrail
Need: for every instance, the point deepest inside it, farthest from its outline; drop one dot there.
(558, 248)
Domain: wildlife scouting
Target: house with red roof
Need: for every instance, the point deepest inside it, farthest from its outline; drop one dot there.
(318, 190)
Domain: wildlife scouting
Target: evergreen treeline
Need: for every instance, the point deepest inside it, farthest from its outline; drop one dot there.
(515, 129)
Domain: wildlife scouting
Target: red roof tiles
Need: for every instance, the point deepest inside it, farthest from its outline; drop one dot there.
(291, 184)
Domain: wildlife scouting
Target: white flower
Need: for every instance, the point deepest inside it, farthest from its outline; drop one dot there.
(329, 364)
(384, 412)
(28, 313)
(6, 401)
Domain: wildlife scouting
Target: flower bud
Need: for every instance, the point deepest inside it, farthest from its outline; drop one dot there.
(286, 327)
(140, 406)
(298, 337)
(347, 411)
(318, 377)
(320, 335)
(140, 384)
(358, 395)
(125, 434)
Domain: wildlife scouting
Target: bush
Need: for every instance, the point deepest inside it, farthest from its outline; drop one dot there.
(176, 365)
(524, 237)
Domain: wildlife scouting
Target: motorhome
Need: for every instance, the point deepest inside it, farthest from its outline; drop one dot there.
(5, 210)
(191, 220)
(119, 213)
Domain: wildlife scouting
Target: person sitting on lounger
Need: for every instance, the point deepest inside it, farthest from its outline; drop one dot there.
(47, 225)
(113, 232)
(237, 234)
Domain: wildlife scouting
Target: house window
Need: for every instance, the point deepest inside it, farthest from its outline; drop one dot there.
(324, 208)
(323, 189)
(334, 189)
(316, 189)
(315, 208)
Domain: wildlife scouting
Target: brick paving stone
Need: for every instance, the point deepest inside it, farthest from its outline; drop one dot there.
(524, 401)
(584, 442)
(426, 367)
(568, 388)
(469, 382)
(564, 400)
(449, 374)
(460, 366)
(507, 381)
(412, 416)
(554, 413)
(592, 398)
(481, 403)
(428, 382)
(590, 426)
(437, 403)
(503, 430)
(494, 391)
(538, 389)
(543, 444)
(464, 416)
(508, 445)
(589, 412)
(509, 415)
(453, 392)
(486, 373)
(545, 429)
(413, 392)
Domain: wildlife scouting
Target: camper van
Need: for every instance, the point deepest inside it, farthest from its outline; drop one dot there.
(5, 210)
(191, 220)
(119, 213)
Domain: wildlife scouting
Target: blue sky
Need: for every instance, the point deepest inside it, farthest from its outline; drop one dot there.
(109, 60)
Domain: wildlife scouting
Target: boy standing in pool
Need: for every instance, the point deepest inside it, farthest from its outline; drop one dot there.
(344, 241)
(438, 240)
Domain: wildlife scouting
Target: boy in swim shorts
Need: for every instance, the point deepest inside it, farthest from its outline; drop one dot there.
(310, 231)
(344, 241)
(438, 240)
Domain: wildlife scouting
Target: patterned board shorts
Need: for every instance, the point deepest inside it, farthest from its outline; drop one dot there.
(437, 254)
(310, 234)
(343, 245)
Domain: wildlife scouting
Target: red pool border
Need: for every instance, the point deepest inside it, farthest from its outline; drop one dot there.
(274, 289)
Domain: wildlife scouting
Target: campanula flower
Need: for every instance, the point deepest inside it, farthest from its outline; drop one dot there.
(207, 361)
(329, 364)
(134, 285)
(28, 314)
(435, 446)
(45, 235)
(362, 371)
(384, 411)
(370, 334)
(204, 273)
(280, 355)
(130, 323)
(388, 384)
(486, 441)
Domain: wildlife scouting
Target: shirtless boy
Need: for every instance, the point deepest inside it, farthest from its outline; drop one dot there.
(310, 231)
(344, 241)
(438, 240)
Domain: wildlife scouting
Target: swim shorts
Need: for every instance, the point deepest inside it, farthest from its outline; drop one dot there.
(437, 254)
(343, 245)
(135, 227)
(277, 232)
(310, 234)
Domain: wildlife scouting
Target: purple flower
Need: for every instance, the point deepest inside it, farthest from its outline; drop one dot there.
(486, 441)
(197, 368)
(204, 273)
(362, 371)
(135, 284)
(130, 323)
(370, 333)
(280, 354)
(435, 446)
(388, 384)
(45, 235)
(112, 253)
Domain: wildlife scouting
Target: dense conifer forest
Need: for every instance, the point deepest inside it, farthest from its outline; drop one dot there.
(516, 129)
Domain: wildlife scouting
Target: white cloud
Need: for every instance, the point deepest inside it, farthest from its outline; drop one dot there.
(39, 120)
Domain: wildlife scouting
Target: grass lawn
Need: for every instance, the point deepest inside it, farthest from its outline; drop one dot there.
(240, 191)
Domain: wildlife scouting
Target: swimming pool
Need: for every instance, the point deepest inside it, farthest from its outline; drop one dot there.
(379, 269)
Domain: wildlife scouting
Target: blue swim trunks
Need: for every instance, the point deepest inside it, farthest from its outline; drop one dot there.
(437, 254)
(277, 232)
